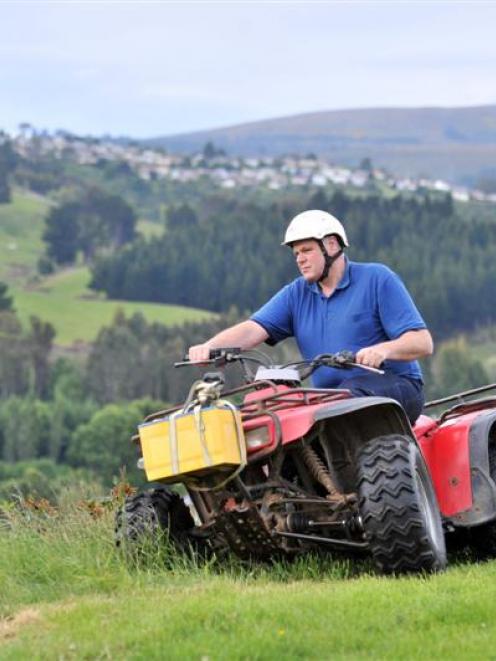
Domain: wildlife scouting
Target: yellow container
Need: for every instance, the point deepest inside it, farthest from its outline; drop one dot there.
(192, 444)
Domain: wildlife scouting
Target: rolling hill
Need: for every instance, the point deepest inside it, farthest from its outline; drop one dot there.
(63, 299)
(458, 144)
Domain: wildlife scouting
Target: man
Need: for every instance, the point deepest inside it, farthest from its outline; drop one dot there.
(340, 305)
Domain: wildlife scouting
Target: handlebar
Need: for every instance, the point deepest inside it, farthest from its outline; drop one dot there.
(221, 356)
(217, 357)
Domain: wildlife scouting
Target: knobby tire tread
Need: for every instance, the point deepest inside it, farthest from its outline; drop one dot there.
(152, 513)
(390, 509)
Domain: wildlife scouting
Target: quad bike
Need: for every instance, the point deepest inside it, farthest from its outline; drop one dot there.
(273, 470)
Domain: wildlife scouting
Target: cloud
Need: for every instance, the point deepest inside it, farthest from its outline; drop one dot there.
(87, 73)
(167, 67)
(161, 90)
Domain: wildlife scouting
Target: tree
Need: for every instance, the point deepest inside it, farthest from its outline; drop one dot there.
(103, 444)
(210, 151)
(24, 357)
(40, 478)
(25, 427)
(116, 217)
(6, 301)
(113, 361)
(8, 162)
(455, 370)
(39, 345)
(182, 217)
(231, 258)
(4, 189)
(14, 361)
(93, 221)
(62, 233)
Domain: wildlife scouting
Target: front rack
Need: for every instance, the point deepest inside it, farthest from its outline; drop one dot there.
(274, 401)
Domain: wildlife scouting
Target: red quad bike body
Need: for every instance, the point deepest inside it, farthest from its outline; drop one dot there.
(318, 470)
(459, 449)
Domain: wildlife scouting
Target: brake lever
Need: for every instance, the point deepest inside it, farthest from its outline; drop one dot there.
(346, 359)
(375, 370)
(218, 358)
(184, 363)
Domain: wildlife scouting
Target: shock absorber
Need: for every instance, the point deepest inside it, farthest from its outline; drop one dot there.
(319, 471)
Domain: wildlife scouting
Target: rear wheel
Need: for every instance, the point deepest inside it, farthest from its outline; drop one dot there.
(398, 507)
(153, 516)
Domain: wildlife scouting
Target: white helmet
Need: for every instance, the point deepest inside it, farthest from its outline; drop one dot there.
(314, 224)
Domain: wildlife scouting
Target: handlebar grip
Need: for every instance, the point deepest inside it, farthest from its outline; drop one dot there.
(224, 352)
(343, 357)
(348, 359)
(218, 357)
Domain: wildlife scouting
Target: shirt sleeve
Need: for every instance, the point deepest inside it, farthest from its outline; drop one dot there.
(276, 316)
(397, 310)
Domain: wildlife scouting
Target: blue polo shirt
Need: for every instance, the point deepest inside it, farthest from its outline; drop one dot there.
(370, 305)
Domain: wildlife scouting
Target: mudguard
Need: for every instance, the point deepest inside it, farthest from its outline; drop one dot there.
(356, 419)
(483, 487)
(373, 416)
(456, 452)
(347, 425)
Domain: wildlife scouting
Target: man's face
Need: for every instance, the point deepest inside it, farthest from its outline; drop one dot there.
(309, 259)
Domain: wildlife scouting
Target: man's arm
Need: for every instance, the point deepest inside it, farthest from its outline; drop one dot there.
(409, 346)
(246, 335)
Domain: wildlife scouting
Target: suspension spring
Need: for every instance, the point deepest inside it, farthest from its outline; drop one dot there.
(318, 470)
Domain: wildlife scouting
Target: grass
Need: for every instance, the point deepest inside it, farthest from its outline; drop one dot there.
(21, 226)
(64, 299)
(67, 594)
(78, 313)
(149, 229)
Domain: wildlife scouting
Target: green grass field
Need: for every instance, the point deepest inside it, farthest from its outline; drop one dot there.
(67, 594)
(78, 313)
(21, 226)
(64, 299)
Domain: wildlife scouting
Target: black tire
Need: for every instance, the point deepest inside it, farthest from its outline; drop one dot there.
(483, 537)
(158, 515)
(398, 507)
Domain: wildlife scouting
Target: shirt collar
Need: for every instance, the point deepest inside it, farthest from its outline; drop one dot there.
(342, 284)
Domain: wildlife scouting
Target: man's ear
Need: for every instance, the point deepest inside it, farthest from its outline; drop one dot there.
(332, 243)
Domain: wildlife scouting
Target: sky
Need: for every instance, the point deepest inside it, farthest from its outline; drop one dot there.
(145, 69)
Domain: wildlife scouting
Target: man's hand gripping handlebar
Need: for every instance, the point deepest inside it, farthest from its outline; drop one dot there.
(221, 356)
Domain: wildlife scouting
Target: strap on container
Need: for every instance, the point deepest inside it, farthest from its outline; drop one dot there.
(192, 483)
(173, 441)
(200, 428)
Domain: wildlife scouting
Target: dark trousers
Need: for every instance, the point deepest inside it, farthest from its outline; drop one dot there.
(408, 392)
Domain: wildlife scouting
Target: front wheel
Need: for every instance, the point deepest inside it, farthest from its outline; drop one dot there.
(398, 507)
(148, 516)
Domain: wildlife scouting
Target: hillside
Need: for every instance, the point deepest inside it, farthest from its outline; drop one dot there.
(21, 225)
(63, 299)
(458, 144)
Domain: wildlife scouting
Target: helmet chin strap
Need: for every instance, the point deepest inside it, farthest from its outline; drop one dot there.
(329, 260)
